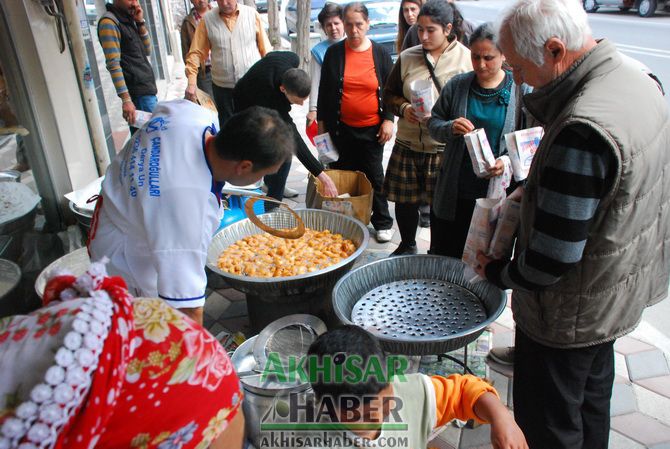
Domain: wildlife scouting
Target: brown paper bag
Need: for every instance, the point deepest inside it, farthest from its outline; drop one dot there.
(205, 100)
(354, 183)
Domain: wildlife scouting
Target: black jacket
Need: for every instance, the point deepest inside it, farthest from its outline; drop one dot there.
(260, 87)
(332, 82)
(137, 71)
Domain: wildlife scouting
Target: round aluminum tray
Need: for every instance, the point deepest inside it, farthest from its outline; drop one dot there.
(417, 305)
(349, 227)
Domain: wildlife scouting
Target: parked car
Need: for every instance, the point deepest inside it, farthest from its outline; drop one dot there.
(645, 8)
(383, 17)
(262, 5)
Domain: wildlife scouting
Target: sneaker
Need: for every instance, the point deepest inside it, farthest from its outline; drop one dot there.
(503, 355)
(385, 235)
(404, 249)
(290, 193)
(424, 221)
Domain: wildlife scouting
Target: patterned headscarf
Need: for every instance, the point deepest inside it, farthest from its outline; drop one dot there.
(96, 368)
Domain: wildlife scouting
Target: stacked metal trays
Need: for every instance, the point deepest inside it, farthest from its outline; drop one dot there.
(421, 272)
(319, 220)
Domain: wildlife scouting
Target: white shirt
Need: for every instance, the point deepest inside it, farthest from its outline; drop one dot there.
(159, 209)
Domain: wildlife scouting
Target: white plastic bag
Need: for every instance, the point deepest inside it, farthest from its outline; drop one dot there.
(499, 184)
(521, 146)
(326, 148)
(421, 93)
(480, 152)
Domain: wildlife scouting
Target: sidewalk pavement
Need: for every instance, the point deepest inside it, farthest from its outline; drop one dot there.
(640, 408)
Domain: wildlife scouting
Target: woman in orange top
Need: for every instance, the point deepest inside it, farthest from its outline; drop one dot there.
(350, 107)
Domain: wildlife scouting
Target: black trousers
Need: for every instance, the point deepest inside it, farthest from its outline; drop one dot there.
(562, 396)
(359, 150)
(447, 238)
(407, 216)
(276, 183)
(223, 98)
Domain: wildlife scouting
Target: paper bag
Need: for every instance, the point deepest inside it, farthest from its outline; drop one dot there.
(354, 183)
(326, 148)
(502, 241)
(498, 185)
(421, 93)
(482, 227)
(521, 146)
(205, 100)
(480, 152)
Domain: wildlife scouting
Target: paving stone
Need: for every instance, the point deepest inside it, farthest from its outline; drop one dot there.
(506, 319)
(652, 404)
(216, 305)
(216, 329)
(623, 400)
(471, 438)
(449, 437)
(503, 339)
(629, 345)
(642, 428)
(239, 324)
(618, 441)
(234, 310)
(643, 365)
(207, 321)
(665, 445)
(501, 384)
(499, 328)
(660, 385)
(621, 380)
(620, 366)
(232, 295)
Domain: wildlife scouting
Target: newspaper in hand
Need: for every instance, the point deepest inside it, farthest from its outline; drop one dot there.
(521, 146)
(326, 148)
(498, 185)
(502, 241)
(482, 227)
(480, 152)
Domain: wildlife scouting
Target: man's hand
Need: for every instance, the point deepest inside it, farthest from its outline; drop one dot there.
(482, 261)
(329, 188)
(138, 14)
(190, 94)
(128, 109)
(311, 116)
(497, 170)
(462, 126)
(385, 132)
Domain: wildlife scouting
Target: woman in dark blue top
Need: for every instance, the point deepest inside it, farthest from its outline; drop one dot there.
(484, 98)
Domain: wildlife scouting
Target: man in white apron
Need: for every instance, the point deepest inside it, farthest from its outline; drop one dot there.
(160, 202)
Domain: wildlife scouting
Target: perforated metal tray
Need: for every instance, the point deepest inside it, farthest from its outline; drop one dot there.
(417, 305)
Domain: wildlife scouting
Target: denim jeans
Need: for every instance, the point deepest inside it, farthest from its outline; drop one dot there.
(145, 103)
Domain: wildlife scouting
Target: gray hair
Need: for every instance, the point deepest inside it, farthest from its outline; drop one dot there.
(531, 23)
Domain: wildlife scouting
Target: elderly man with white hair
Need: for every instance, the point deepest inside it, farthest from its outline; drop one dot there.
(594, 243)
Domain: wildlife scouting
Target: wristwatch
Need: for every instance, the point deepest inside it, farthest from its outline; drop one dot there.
(139, 24)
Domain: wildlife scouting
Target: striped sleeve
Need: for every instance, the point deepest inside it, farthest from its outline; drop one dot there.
(146, 41)
(574, 180)
(110, 40)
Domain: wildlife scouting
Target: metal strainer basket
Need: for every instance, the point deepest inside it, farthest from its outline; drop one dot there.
(285, 223)
(417, 305)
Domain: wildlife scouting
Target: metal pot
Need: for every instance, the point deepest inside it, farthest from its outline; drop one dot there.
(260, 399)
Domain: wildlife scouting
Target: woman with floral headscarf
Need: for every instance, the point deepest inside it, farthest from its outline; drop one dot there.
(95, 368)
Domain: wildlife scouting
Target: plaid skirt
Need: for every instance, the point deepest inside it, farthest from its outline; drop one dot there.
(411, 175)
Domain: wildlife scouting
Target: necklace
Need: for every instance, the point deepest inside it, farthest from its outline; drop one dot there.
(503, 93)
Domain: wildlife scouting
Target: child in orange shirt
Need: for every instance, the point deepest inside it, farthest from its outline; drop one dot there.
(375, 401)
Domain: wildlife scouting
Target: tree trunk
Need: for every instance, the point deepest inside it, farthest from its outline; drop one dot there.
(302, 47)
(273, 24)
